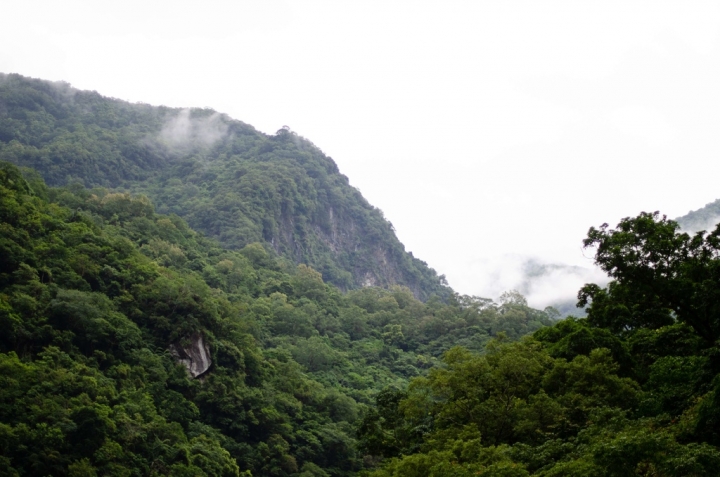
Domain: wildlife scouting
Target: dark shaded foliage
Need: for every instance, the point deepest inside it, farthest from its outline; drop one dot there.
(95, 290)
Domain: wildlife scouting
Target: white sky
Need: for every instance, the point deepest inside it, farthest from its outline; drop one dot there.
(488, 132)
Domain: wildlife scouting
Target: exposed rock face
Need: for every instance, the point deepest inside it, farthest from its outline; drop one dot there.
(195, 356)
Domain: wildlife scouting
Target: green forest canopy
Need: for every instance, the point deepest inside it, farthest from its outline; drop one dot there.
(633, 389)
(95, 290)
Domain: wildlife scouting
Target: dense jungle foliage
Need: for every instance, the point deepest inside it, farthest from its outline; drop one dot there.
(222, 176)
(103, 277)
(95, 289)
(633, 389)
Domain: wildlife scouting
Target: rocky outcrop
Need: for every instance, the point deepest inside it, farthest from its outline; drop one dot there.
(192, 353)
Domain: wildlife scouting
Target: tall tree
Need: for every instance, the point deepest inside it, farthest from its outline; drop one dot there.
(660, 275)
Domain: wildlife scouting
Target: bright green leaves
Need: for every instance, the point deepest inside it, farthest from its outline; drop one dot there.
(308, 283)
(461, 454)
(11, 178)
(516, 410)
(515, 393)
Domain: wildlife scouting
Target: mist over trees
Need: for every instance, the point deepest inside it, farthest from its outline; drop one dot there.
(222, 176)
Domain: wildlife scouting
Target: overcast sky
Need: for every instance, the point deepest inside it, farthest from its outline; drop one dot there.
(489, 133)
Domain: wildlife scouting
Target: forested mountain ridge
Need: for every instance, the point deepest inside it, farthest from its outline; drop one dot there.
(224, 177)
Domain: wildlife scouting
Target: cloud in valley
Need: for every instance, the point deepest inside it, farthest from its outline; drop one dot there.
(542, 283)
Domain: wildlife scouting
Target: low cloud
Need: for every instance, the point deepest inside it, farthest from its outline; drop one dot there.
(708, 225)
(706, 218)
(557, 284)
(542, 283)
(65, 89)
(186, 130)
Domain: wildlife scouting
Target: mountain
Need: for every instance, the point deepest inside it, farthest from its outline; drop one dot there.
(225, 178)
(705, 218)
(133, 345)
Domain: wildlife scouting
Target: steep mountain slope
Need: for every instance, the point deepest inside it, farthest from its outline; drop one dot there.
(224, 177)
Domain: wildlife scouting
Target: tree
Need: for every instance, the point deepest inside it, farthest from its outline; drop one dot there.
(660, 276)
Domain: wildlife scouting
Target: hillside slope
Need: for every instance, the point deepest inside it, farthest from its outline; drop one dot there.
(225, 178)
(132, 345)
